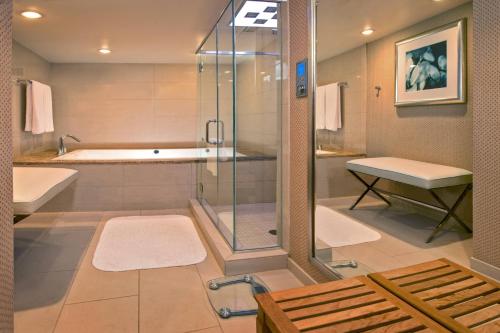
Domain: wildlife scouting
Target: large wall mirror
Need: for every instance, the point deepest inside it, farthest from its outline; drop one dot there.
(391, 94)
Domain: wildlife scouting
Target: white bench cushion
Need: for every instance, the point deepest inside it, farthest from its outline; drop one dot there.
(33, 187)
(416, 173)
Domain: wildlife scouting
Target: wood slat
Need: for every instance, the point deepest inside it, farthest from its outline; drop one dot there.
(334, 306)
(272, 316)
(437, 282)
(462, 296)
(410, 325)
(400, 273)
(336, 317)
(409, 280)
(325, 298)
(449, 289)
(284, 295)
(472, 305)
(493, 327)
(366, 323)
(480, 317)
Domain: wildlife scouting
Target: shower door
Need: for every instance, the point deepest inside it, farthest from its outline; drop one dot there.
(216, 97)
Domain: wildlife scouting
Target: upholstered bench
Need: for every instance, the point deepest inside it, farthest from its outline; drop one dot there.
(423, 175)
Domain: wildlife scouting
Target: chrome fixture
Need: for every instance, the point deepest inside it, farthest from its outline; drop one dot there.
(216, 141)
(62, 148)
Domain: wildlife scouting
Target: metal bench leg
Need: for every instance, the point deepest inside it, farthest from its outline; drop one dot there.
(369, 187)
(450, 212)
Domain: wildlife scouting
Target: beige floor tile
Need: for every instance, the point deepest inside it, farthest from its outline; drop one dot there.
(174, 300)
(215, 329)
(114, 315)
(208, 268)
(79, 219)
(369, 256)
(247, 324)
(39, 299)
(91, 284)
(279, 279)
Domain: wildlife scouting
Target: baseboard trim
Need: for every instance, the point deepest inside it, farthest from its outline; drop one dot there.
(485, 268)
(300, 273)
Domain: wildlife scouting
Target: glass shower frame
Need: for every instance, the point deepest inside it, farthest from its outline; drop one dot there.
(219, 179)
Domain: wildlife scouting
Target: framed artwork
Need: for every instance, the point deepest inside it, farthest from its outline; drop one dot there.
(431, 67)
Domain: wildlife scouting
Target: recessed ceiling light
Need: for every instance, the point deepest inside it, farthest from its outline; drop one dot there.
(30, 14)
(367, 31)
(104, 50)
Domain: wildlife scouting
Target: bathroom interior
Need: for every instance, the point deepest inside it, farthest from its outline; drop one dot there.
(164, 150)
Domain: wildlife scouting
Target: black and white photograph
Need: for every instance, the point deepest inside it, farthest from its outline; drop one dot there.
(426, 67)
(430, 67)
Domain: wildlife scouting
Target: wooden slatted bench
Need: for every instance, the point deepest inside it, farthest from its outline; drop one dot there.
(454, 296)
(353, 305)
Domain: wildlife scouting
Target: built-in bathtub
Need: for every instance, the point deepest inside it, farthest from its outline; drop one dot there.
(140, 179)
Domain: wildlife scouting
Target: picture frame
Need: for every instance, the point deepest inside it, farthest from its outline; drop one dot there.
(431, 68)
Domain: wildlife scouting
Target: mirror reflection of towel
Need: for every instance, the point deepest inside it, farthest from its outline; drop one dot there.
(333, 112)
(328, 107)
(39, 117)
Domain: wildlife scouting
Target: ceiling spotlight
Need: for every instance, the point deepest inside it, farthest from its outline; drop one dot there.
(32, 15)
(367, 31)
(104, 50)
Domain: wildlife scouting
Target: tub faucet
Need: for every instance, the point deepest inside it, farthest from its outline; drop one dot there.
(62, 148)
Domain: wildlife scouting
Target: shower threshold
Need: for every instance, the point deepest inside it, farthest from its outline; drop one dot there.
(241, 262)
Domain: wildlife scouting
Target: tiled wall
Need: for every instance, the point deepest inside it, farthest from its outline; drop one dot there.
(333, 180)
(436, 134)
(27, 65)
(136, 186)
(6, 229)
(349, 67)
(487, 134)
(297, 161)
(126, 103)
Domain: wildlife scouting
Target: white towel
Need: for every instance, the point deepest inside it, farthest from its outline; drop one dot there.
(320, 107)
(333, 109)
(39, 117)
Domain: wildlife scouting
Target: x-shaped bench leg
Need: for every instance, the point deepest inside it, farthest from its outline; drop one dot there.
(369, 187)
(450, 212)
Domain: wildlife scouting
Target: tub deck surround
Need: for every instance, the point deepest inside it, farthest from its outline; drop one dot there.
(331, 152)
(50, 157)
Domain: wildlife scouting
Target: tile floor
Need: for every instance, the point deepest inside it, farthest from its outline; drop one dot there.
(404, 231)
(58, 289)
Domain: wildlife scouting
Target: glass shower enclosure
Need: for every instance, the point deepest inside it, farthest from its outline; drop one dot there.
(239, 97)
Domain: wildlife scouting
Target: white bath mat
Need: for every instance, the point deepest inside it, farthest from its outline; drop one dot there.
(336, 229)
(142, 242)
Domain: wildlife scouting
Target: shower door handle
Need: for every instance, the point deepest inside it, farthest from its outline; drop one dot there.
(215, 141)
(207, 132)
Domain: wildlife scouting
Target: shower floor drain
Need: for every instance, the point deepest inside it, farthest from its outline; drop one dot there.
(234, 296)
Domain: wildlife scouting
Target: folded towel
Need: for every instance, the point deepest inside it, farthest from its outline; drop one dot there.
(320, 107)
(39, 117)
(333, 110)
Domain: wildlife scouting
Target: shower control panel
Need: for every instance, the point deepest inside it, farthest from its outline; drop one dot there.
(301, 79)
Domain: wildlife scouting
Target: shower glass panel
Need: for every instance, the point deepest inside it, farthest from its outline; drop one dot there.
(240, 105)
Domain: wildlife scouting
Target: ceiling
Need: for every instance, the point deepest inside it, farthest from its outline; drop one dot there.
(137, 31)
(340, 22)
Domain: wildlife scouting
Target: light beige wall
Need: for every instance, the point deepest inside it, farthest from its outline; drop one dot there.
(27, 65)
(436, 134)
(349, 67)
(6, 226)
(486, 136)
(126, 103)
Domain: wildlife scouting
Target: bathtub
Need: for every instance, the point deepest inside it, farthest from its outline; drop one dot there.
(146, 154)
